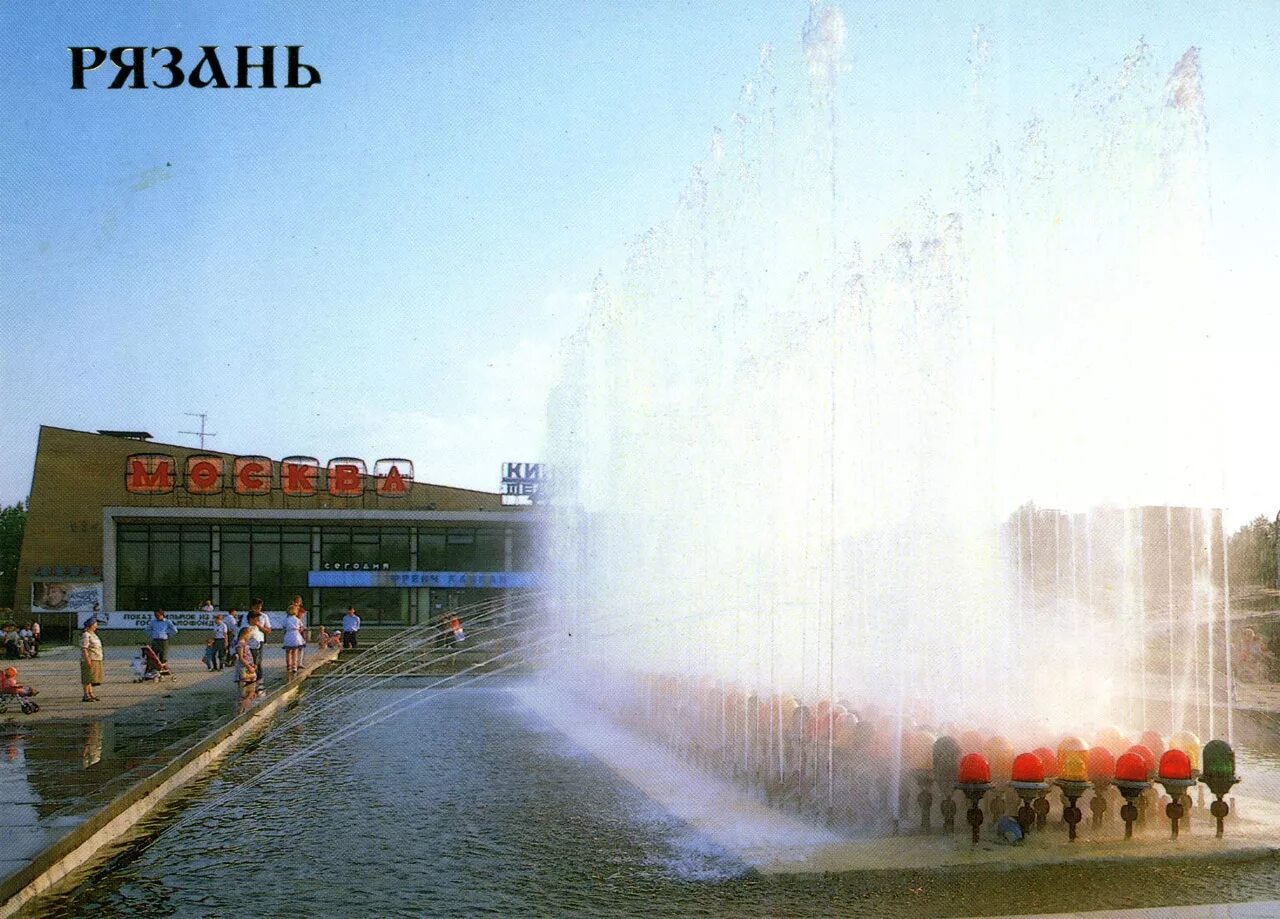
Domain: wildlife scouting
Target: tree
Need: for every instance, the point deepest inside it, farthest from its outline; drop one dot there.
(1253, 553)
(13, 521)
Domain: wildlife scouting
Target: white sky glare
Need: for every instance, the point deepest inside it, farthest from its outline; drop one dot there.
(384, 265)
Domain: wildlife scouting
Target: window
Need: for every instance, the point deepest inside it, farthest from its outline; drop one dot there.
(523, 550)
(431, 550)
(162, 566)
(235, 563)
(166, 564)
(335, 545)
(196, 568)
(375, 606)
(379, 546)
(395, 548)
(366, 547)
(490, 550)
(131, 564)
(295, 562)
(460, 550)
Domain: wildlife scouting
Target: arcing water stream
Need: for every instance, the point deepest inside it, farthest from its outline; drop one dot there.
(970, 476)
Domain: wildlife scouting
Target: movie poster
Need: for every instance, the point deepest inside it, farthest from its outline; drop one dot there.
(66, 596)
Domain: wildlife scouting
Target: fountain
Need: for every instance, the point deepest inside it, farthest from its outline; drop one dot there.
(827, 470)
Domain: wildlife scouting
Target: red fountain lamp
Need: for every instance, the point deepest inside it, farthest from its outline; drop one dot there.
(1131, 779)
(1175, 776)
(973, 778)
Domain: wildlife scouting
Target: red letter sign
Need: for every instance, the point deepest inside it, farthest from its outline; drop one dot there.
(149, 473)
(393, 477)
(204, 475)
(252, 475)
(346, 477)
(298, 476)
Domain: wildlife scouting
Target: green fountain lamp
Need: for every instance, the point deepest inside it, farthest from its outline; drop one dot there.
(1219, 773)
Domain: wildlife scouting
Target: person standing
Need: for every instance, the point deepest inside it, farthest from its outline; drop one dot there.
(160, 630)
(90, 660)
(294, 641)
(230, 628)
(246, 672)
(255, 640)
(220, 632)
(350, 628)
(263, 625)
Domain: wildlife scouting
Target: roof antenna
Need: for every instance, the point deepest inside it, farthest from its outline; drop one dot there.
(202, 433)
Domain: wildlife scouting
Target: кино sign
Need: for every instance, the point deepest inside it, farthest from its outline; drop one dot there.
(526, 480)
(296, 476)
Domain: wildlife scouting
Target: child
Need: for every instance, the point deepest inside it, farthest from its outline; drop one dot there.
(9, 685)
(246, 672)
(210, 655)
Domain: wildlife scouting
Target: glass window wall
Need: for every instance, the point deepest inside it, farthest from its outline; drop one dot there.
(163, 566)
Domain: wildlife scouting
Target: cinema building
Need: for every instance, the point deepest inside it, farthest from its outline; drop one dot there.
(122, 525)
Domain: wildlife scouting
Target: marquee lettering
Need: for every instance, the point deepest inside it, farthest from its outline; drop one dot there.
(149, 473)
(252, 475)
(205, 474)
(345, 480)
(299, 479)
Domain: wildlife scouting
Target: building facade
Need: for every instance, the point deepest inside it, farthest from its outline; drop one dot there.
(121, 523)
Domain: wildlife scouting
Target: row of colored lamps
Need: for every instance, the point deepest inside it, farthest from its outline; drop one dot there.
(1075, 770)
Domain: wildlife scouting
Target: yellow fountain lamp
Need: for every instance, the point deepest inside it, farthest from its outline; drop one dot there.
(1073, 779)
(1189, 744)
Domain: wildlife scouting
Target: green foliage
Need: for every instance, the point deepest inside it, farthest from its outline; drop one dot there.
(13, 521)
(1253, 553)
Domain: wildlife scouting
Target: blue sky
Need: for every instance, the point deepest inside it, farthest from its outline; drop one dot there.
(383, 265)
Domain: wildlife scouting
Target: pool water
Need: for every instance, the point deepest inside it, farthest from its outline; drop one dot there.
(470, 806)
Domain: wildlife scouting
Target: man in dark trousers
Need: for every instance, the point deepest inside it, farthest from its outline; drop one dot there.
(350, 628)
(160, 630)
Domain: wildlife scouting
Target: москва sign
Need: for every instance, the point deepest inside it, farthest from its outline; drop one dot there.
(299, 476)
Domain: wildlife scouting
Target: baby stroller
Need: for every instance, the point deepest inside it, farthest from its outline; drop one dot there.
(10, 690)
(27, 704)
(148, 666)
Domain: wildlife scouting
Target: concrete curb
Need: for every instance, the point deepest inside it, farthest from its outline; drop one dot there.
(101, 829)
